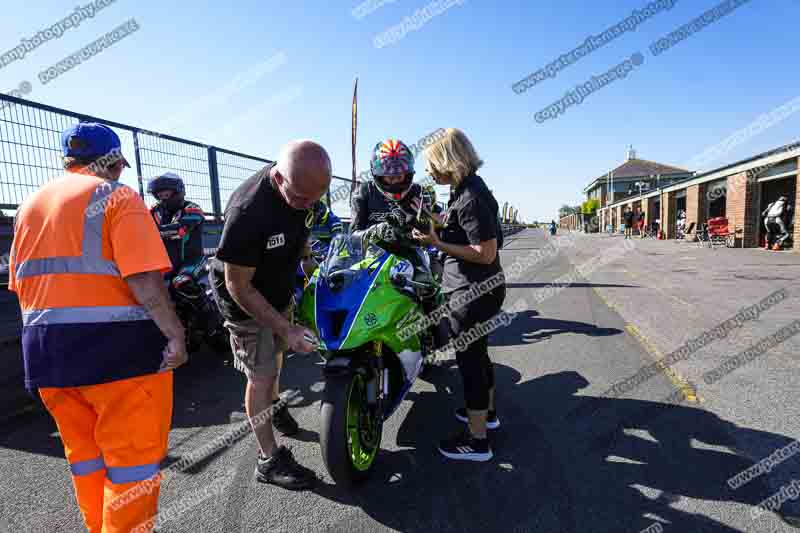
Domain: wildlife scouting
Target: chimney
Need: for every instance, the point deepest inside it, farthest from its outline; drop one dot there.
(631, 153)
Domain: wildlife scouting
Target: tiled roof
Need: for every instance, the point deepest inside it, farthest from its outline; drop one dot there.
(639, 168)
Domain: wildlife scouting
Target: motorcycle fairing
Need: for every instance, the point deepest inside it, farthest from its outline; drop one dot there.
(335, 311)
(412, 362)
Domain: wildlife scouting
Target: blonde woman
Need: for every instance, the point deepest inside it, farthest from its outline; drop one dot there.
(470, 238)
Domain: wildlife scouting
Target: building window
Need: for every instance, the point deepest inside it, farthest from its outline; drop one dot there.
(716, 198)
(716, 207)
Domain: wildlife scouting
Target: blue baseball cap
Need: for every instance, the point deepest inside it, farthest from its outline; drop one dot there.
(89, 141)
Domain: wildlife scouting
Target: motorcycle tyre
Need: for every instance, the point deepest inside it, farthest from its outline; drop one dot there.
(333, 434)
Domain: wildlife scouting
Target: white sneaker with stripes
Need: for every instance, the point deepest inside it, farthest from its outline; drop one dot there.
(465, 447)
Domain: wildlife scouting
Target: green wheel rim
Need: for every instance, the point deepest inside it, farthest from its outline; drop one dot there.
(360, 455)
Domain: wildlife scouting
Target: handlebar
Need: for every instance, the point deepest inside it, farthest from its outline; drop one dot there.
(418, 285)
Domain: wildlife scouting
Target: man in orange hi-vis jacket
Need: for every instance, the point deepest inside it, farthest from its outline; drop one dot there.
(100, 337)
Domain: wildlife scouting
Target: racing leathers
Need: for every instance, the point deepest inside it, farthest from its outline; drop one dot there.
(388, 224)
(326, 227)
(371, 207)
(182, 233)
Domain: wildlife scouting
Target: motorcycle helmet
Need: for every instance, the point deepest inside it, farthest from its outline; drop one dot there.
(429, 195)
(168, 181)
(321, 213)
(392, 158)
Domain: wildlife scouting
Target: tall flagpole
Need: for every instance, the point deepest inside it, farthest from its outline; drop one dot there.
(354, 133)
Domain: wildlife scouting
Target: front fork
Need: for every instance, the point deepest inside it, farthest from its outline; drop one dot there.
(372, 369)
(378, 387)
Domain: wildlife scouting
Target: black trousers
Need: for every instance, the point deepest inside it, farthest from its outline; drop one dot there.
(477, 370)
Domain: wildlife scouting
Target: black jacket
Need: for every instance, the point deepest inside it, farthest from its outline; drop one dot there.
(370, 206)
(181, 232)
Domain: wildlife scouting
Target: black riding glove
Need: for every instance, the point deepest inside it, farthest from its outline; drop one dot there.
(397, 219)
(383, 232)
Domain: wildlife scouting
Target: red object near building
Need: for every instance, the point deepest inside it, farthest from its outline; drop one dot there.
(718, 227)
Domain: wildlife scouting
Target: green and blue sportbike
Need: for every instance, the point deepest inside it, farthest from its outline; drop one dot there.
(358, 302)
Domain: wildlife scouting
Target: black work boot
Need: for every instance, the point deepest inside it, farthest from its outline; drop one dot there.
(284, 471)
(283, 421)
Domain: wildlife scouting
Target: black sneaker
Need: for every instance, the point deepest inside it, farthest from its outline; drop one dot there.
(282, 470)
(283, 421)
(465, 447)
(492, 422)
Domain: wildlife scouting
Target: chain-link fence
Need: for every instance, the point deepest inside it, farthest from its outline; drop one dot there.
(30, 155)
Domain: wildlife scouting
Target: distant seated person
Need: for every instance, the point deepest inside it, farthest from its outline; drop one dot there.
(429, 199)
(179, 222)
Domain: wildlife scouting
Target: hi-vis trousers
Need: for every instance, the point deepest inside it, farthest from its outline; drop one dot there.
(115, 436)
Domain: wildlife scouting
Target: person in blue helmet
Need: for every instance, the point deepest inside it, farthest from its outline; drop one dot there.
(326, 223)
(325, 227)
(179, 221)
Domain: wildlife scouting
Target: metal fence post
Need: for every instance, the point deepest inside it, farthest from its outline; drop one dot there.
(138, 162)
(213, 172)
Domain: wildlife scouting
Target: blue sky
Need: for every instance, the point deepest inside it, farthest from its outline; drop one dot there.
(289, 69)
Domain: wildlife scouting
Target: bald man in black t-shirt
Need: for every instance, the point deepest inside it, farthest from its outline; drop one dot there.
(267, 223)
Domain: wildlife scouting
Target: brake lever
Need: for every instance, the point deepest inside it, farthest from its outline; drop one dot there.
(313, 341)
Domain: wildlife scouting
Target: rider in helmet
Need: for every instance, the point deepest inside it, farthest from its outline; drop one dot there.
(325, 227)
(326, 223)
(390, 205)
(429, 196)
(179, 221)
(437, 214)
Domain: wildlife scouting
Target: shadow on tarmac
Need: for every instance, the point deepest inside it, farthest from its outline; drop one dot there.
(621, 468)
(566, 285)
(208, 391)
(527, 328)
(550, 473)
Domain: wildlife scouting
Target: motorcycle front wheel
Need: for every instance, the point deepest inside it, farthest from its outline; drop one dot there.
(351, 430)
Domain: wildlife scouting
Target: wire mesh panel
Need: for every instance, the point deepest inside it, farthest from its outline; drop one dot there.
(233, 169)
(30, 150)
(339, 194)
(189, 161)
(30, 155)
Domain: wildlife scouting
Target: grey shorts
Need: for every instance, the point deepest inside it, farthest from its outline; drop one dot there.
(256, 348)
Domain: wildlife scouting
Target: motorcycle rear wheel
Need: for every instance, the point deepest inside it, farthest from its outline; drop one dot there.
(191, 339)
(351, 435)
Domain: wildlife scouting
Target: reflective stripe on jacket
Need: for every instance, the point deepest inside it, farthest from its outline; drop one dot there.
(75, 240)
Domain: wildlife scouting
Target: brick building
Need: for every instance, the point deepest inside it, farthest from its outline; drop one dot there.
(739, 192)
(570, 222)
(631, 178)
